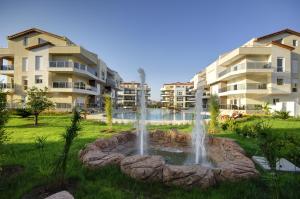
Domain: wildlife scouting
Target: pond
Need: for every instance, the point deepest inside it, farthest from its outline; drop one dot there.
(158, 114)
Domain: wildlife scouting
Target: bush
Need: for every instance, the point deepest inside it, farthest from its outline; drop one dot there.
(253, 129)
(214, 113)
(23, 112)
(281, 114)
(230, 125)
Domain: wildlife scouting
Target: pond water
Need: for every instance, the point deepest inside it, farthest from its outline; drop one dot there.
(158, 114)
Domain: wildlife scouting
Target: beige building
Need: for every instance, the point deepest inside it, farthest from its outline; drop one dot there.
(263, 70)
(128, 95)
(178, 95)
(72, 74)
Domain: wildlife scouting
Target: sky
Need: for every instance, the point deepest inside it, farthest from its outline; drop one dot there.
(171, 39)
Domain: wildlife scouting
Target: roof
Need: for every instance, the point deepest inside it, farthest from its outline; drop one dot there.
(39, 45)
(32, 30)
(282, 45)
(289, 31)
(180, 83)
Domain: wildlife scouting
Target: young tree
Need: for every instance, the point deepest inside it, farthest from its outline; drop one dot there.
(70, 134)
(108, 111)
(38, 102)
(3, 120)
(214, 113)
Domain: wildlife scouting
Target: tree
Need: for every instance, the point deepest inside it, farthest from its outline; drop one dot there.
(214, 113)
(38, 102)
(266, 108)
(70, 134)
(3, 120)
(108, 111)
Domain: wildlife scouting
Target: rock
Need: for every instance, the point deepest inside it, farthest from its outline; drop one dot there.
(97, 159)
(61, 195)
(145, 168)
(188, 176)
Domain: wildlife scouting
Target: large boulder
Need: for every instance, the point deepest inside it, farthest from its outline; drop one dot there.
(61, 195)
(96, 159)
(145, 168)
(188, 176)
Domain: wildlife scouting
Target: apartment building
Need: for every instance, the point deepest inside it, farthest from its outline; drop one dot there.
(128, 95)
(263, 70)
(72, 74)
(178, 95)
(200, 82)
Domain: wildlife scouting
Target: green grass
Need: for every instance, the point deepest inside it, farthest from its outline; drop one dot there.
(109, 182)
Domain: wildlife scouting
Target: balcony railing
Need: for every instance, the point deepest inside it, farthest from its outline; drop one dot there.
(241, 107)
(76, 65)
(6, 86)
(7, 67)
(243, 66)
(73, 85)
(249, 86)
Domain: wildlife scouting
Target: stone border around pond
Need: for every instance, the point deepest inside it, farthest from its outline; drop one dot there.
(230, 160)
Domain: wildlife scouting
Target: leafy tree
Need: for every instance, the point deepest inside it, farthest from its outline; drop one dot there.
(214, 113)
(69, 136)
(3, 120)
(108, 111)
(38, 102)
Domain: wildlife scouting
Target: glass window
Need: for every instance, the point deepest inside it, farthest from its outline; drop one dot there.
(279, 81)
(295, 42)
(25, 41)
(280, 64)
(38, 79)
(275, 100)
(24, 64)
(38, 62)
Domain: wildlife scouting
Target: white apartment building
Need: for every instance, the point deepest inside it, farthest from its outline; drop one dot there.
(72, 74)
(178, 95)
(263, 70)
(129, 95)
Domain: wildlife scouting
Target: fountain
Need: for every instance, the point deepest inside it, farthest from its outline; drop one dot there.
(141, 127)
(198, 134)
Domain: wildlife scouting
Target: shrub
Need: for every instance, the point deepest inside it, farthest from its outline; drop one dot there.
(23, 112)
(108, 111)
(252, 129)
(230, 124)
(214, 113)
(281, 114)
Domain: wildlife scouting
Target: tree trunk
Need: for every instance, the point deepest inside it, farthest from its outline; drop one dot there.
(36, 119)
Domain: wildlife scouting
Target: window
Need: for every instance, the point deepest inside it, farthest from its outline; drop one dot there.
(295, 42)
(179, 93)
(294, 85)
(294, 66)
(235, 87)
(280, 64)
(38, 62)
(24, 64)
(25, 41)
(25, 84)
(40, 41)
(275, 100)
(38, 79)
(279, 81)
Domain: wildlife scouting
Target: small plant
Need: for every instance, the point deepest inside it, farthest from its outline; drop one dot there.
(40, 144)
(108, 111)
(266, 108)
(214, 113)
(3, 120)
(69, 136)
(281, 114)
(252, 129)
(38, 102)
(23, 112)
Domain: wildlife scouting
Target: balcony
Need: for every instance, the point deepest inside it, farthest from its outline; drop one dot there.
(7, 87)
(67, 67)
(249, 67)
(7, 70)
(74, 88)
(257, 88)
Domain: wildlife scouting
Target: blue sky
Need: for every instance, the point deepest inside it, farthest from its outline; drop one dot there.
(171, 40)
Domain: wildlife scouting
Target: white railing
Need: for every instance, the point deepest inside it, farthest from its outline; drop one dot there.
(76, 65)
(75, 85)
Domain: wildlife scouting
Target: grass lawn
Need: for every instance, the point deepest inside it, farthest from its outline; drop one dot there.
(110, 182)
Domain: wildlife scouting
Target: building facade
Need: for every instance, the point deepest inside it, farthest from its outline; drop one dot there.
(72, 74)
(178, 95)
(128, 95)
(263, 70)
